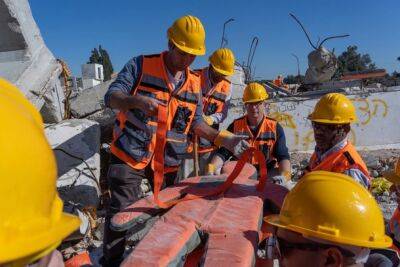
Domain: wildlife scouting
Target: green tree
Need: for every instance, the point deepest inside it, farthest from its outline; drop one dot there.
(94, 57)
(350, 60)
(107, 65)
(101, 56)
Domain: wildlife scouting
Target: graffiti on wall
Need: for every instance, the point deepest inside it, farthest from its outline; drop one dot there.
(368, 109)
(298, 127)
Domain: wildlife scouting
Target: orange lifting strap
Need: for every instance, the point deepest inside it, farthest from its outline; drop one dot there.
(159, 166)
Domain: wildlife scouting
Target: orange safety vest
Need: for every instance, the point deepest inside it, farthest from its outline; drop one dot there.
(339, 161)
(264, 140)
(213, 102)
(134, 133)
(278, 82)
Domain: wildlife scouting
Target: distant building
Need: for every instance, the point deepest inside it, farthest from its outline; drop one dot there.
(92, 75)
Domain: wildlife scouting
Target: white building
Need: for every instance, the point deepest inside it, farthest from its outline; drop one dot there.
(92, 75)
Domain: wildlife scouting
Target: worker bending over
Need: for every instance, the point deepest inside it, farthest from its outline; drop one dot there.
(262, 133)
(315, 230)
(146, 84)
(32, 222)
(216, 91)
(331, 121)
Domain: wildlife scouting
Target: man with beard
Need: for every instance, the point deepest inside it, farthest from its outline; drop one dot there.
(331, 121)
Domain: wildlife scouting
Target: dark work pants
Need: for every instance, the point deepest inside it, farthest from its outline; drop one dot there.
(124, 183)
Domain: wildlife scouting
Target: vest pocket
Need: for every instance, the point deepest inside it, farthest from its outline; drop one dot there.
(134, 142)
(175, 152)
(211, 109)
(181, 119)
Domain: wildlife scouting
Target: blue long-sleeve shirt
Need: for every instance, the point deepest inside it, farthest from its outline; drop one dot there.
(128, 78)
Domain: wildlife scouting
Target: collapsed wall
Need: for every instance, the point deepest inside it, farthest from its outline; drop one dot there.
(27, 62)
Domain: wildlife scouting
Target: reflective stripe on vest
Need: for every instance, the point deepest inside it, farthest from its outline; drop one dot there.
(213, 102)
(264, 140)
(134, 132)
(340, 161)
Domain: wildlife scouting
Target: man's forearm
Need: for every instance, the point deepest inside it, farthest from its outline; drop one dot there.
(205, 131)
(121, 101)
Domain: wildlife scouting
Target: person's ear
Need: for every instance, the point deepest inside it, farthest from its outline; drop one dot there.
(334, 257)
(170, 46)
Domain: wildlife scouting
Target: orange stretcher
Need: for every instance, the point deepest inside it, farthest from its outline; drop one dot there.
(226, 225)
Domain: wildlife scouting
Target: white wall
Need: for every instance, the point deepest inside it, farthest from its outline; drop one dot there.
(378, 114)
(92, 71)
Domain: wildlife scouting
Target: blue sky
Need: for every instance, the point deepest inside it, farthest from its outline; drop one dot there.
(127, 28)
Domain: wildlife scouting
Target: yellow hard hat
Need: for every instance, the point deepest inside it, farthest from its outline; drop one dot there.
(394, 176)
(254, 92)
(334, 108)
(32, 223)
(223, 61)
(188, 34)
(333, 207)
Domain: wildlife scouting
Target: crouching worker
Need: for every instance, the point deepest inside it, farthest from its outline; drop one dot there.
(328, 219)
(331, 121)
(32, 222)
(262, 133)
(157, 95)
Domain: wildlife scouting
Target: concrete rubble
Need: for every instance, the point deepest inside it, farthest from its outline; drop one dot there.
(27, 62)
(76, 145)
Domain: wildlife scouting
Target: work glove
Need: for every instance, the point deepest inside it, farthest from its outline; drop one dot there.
(208, 119)
(236, 144)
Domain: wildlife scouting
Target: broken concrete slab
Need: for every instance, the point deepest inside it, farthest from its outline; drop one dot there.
(76, 144)
(89, 101)
(27, 62)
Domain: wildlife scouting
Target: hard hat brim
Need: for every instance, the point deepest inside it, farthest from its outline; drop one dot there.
(19, 248)
(275, 221)
(223, 72)
(391, 176)
(331, 121)
(254, 101)
(196, 52)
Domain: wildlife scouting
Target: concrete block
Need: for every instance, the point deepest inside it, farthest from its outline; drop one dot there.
(89, 101)
(27, 62)
(74, 141)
